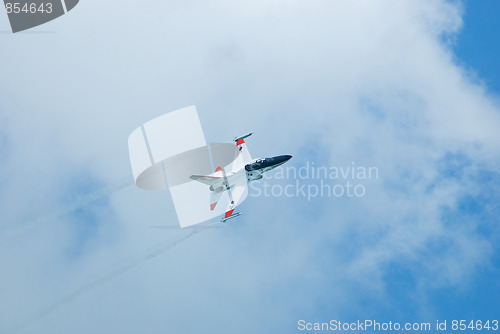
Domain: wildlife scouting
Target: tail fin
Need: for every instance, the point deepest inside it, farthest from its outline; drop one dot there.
(218, 172)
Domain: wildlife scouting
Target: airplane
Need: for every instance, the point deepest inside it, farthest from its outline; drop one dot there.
(244, 170)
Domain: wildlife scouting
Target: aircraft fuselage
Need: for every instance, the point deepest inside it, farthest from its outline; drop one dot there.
(256, 168)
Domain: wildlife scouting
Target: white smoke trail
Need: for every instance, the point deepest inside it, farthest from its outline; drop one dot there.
(154, 252)
(80, 203)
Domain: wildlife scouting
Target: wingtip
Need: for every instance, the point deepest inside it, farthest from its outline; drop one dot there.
(234, 215)
(236, 139)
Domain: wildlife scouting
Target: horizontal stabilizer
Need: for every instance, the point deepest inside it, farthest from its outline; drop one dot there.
(214, 199)
(204, 179)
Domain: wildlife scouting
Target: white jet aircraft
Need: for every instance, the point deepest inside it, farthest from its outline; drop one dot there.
(244, 169)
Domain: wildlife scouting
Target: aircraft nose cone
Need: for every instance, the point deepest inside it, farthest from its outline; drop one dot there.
(284, 158)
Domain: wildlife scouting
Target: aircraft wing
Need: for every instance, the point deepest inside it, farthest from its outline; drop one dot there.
(238, 192)
(244, 156)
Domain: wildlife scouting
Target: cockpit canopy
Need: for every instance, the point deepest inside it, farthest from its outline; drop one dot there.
(257, 164)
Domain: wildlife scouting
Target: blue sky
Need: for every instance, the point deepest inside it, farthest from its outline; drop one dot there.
(332, 83)
(477, 47)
